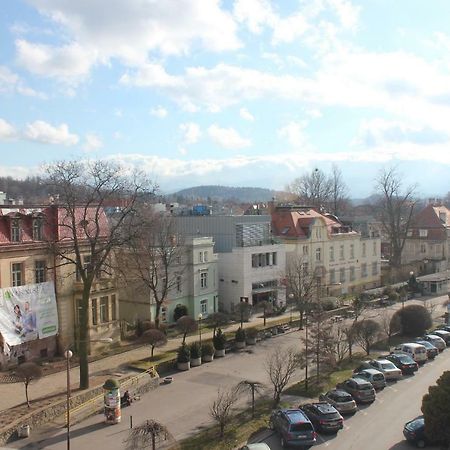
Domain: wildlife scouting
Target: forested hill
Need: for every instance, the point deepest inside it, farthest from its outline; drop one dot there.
(31, 189)
(224, 193)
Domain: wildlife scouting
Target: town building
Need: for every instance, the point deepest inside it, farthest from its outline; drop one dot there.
(342, 260)
(251, 262)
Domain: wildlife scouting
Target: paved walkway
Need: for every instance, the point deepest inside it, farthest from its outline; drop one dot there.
(12, 394)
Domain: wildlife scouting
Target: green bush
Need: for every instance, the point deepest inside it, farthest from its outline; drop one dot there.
(196, 350)
(240, 335)
(207, 349)
(184, 354)
(414, 320)
(219, 340)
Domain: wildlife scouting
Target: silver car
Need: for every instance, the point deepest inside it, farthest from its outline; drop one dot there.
(341, 400)
(373, 376)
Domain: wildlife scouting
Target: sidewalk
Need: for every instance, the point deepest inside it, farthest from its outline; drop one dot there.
(12, 394)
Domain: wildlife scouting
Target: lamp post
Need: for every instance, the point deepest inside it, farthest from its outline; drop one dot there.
(291, 298)
(200, 317)
(68, 354)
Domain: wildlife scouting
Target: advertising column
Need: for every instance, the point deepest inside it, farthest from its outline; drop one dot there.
(112, 401)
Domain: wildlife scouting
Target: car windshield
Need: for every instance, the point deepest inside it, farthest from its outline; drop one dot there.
(301, 426)
(388, 366)
(364, 387)
(344, 398)
(405, 359)
(378, 377)
(416, 423)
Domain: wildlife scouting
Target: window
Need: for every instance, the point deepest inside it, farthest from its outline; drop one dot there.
(364, 249)
(37, 229)
(318, 254)
(39, 271)
(305, 249)
(200, 257)
(332, 276)
(77, 309)
(204, 280)
(352, 274)
(374, 268)
(342, 275)
(94, 311)
(86, 259)
(423, 233)
(255, 260)
(268, 259)
(331, 253)
(364, 270)
(374, 248)
(113, 307)
(17, 275)
(178, 282)
(104, 316)
(423, 248)
(205, 256)
(352, 251)
(163, 314)
(15, 230)
(274, 258)
(305, 268)
(341, 252)
(204, 306)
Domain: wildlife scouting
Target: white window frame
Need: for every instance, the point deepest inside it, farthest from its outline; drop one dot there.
(203, 280)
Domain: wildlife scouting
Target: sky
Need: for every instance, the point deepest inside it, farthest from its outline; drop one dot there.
(233, 92)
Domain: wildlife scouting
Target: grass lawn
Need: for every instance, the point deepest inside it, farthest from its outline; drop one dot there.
(146, 363)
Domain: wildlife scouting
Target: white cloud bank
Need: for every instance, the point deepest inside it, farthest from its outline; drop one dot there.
(45, 133)
(228, 138)
(7, 131)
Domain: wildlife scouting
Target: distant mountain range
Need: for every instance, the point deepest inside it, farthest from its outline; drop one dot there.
(224, 193)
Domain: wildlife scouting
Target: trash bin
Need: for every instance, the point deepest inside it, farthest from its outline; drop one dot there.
(24, 431)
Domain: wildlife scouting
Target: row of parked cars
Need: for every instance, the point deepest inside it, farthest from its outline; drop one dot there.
(298, 427)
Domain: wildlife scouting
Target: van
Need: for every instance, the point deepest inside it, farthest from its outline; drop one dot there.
(417, 351)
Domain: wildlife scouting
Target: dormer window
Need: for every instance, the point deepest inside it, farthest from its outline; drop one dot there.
(15, 230)
(37, 229)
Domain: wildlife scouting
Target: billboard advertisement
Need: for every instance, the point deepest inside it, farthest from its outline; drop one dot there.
(28, 312)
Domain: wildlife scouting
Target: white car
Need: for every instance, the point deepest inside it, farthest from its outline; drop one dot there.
(436, 340)
(387, 368)
(257, 446)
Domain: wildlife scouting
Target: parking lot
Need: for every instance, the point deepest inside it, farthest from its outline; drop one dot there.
(379, 426)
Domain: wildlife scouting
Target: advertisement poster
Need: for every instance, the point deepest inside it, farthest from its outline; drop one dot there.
(28, 312)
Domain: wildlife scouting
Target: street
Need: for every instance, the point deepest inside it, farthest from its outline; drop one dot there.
(379, 426)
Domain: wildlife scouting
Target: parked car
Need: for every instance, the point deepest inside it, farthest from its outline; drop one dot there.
(323, 416)
(361, 390)
(444, 327)
(432, 351)
(341, 400)
(417, 352)
(404, 362)
(414, 431)
(436, 340)
(386, 367)
(373, 376)
(444, 335)
(256, 446)
(294, 428)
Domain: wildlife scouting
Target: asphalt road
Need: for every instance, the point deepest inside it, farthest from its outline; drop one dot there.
(380, 426)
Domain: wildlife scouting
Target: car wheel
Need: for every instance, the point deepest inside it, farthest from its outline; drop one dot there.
(283, 442)
(420, 443)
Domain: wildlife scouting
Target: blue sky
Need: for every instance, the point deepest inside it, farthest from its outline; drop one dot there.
(236, 92)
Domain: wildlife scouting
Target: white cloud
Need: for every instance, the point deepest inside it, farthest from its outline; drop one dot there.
(293, 132)
(128, 31)
(69, 63)
(7, 131)
(246, 115)
(92, 142)
(43, 132)
(228, 138)
(11, 82)
(159, 112)
(191, 132)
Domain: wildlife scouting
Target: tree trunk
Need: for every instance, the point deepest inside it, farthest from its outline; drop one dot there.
(264, 315)
(300, 325)
(153, 350)
(26, 394)
(253, 402)
(157, 313)
(83, 338)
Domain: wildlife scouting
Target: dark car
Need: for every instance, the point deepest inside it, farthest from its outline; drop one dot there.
(404, 362)
(432, 351)
(361, 390)
(414, 431)
(294, 428)
(323, 416)
(341, 400)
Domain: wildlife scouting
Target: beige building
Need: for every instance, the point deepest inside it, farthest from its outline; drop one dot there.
(342, 259)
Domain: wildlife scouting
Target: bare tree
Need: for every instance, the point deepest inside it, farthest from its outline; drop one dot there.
(396, 210)
(339, 192)
(300, 284)
(367, 332)
(221, 408)
(389, 325)
(340, 344)
(217, 320)
(349, 333)
(85, 238)
(266, 307)
(28, 372)
(185, 325)
(280, 366)
(358, 306)
(150, 434)
(312, 189)
(154, 258)
(252, 387)
(156, 338)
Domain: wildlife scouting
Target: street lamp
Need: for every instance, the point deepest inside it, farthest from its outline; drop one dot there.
(200, 317)
(68, 354)
(291, 298)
